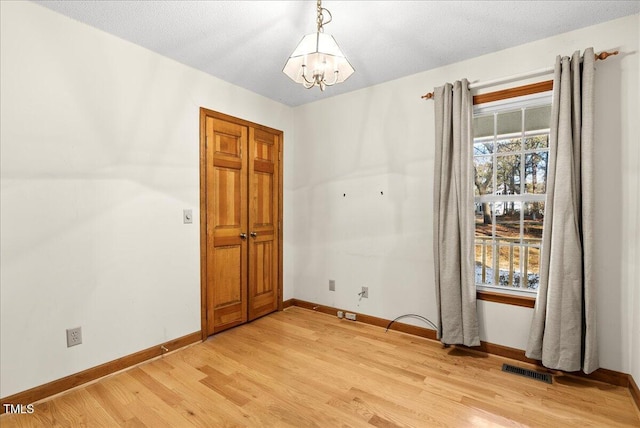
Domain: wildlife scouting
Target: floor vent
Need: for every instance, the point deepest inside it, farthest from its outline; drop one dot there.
(542, 377)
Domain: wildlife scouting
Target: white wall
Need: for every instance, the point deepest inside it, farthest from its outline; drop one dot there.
(381, 139)
(99, 155)
(632, 245)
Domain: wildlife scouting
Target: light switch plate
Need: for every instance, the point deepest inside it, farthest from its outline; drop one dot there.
(187, 216)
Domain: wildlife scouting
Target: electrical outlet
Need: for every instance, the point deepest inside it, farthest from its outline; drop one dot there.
(74, 336)
(350, 316)
(332, 285)
(365, 292)
(340, 314)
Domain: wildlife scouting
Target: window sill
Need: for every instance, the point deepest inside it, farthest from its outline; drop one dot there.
(507, 299)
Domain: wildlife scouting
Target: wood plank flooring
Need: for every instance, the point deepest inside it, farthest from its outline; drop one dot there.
(299, 368)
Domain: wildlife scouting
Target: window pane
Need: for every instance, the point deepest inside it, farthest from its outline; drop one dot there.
(535, 168)
(484, 248)
(509, 122)
(514, 267)
(483, 175)
(484, 261)
(508, 220)
(501, 269)
(481, 147)
(531, 259)
(533, 219)
(509, 264)
(507, 215)
(510, 270)
(483, 212)
(536, 142)
(537, 118)
(483, 126)
(532, 238)
(510, 145)
(508, 175)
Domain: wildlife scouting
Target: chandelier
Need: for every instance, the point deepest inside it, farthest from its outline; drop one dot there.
(317, 60)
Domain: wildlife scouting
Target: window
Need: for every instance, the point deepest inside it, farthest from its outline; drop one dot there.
(511, 149)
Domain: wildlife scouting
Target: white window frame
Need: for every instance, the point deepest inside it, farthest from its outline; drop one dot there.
(502, 106)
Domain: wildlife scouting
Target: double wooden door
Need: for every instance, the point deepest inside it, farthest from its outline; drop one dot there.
(241, 195)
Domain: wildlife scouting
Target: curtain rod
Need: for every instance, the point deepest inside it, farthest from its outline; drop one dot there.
(507, 79)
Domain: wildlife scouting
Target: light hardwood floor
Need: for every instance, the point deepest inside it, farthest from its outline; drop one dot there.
(300, 368)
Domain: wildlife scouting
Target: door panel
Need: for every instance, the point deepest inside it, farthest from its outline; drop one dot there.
(263, 199)
(227, 253)
(227, 211)
(227, 276)
(262, 268)
(263, 222)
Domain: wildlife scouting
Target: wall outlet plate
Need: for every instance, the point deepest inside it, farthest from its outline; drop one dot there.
(340, 314)
(332, 285)
(350, 316)
(74, 336)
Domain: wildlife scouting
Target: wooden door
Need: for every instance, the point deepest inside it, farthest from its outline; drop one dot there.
(263, 222)
(241, 220)
(226, 224)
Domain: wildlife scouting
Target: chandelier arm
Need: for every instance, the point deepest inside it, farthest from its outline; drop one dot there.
(307, 83)
(335, 79)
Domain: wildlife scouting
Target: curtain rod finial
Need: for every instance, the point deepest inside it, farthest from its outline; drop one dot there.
(605, 55)
(427, 96)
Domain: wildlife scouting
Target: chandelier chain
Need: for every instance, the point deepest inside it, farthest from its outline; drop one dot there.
(320, 19)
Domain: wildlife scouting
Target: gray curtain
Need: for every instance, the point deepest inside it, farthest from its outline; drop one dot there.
(453, 225)
(563, 331)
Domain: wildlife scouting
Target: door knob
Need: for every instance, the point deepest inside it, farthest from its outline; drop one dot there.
(243, 236)
(253, 234)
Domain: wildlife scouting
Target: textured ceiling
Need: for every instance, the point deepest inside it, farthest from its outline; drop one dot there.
(247, 42)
